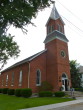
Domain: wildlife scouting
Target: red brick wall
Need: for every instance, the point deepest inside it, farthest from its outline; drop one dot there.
(16, 70)
(56, 64)
(38, 63)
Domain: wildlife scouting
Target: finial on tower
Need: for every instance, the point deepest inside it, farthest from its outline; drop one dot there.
(53, 3)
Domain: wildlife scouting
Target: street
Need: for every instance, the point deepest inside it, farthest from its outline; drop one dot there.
(71, 107)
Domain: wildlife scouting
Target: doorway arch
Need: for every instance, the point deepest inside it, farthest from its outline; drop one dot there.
(65, 82)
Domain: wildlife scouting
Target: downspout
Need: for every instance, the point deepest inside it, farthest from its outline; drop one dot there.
(28, 74)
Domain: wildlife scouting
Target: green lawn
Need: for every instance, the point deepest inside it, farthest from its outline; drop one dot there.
(14, 103)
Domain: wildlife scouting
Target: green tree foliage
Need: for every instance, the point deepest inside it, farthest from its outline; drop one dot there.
(19, 12)
(8, 48)
(75, 74)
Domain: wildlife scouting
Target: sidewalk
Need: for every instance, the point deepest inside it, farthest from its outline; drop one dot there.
(48, 107)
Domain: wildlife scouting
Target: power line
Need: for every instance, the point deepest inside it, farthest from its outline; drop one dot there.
(74, 31)
(73, 24)
(70, 11)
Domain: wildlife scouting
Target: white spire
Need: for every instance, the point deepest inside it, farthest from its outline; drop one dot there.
(54, 13)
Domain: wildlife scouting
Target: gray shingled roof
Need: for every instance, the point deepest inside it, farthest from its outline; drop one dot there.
(55, 34)
(25, 60)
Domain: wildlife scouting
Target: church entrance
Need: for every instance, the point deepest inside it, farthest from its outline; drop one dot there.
(65, 82)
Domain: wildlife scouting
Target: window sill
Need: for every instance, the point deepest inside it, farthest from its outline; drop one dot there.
(12, 85)
(38, 84)
(20, 85)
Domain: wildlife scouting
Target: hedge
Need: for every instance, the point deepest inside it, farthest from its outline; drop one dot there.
(11, 91)
(18, 92)
(79, 89)
(0, 90)
(26, 92)
(45, 94)
(4, 90)
(59, 94)
(45, 86)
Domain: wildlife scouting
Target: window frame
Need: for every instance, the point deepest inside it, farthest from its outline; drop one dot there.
(7, 77)
(64, 53)
(38, 70)
(2, 82)
(12, 80)
(20, 77)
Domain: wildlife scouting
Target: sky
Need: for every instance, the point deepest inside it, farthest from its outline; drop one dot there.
(71, 12)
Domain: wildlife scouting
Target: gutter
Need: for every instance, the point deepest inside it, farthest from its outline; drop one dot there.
(28, 74)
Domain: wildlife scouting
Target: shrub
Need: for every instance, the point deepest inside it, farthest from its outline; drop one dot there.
(45, 94)
(4, 90)
(26, 92)
(45, 86)
(59, 94)
(11, 91)
(0, 90)
(18, 92)
(79, 89)
(61, 88)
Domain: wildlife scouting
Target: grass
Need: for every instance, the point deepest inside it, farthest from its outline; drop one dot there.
(13, 103)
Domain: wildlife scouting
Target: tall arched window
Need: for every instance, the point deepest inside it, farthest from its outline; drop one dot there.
(7, 80)
(12, 81)
(2, 81)
(20, 78)
(38, 78)
(64, 75)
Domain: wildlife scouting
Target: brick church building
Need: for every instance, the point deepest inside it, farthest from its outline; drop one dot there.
(51, 64)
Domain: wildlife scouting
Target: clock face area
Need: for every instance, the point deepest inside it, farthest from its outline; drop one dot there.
(63, 54)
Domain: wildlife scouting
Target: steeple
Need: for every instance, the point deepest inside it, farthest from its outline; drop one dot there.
(55, 27)
(54, 14)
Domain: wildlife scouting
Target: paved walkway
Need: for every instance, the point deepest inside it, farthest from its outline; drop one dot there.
(52, 106)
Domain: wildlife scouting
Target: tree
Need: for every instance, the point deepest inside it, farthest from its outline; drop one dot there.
(75, 74)
(19, 12)
(8, 48)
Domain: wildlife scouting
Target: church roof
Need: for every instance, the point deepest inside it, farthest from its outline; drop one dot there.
(55, 35)
(25, 60)
(54, 15)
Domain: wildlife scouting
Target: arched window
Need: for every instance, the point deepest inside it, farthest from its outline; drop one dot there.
(49, 29)
(20, 78)
(2, 81)
(59, 28)
(12, 81)
(52, 28)
(64, 75)
(7, 80)
(38, 77)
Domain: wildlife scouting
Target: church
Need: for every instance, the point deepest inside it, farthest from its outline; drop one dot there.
(51, 64)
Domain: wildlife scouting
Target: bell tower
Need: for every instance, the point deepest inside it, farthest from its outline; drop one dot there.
(56, 43)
